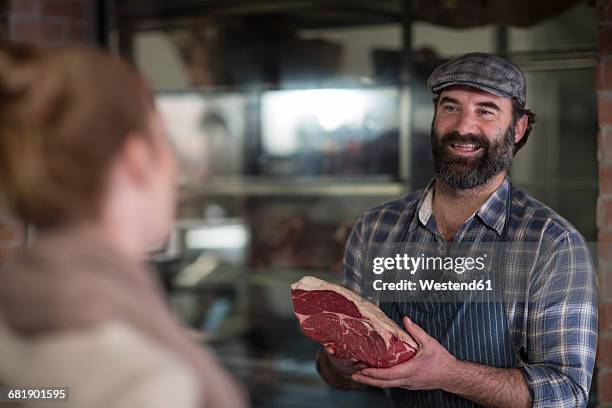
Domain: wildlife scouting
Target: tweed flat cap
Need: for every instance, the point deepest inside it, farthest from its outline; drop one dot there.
(480, 70)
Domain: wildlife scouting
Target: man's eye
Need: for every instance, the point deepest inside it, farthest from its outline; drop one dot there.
(485, 112)
(449, 108)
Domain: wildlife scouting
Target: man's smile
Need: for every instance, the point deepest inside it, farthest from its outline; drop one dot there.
(465, 149)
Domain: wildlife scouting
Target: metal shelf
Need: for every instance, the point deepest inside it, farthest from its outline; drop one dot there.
(293, 187)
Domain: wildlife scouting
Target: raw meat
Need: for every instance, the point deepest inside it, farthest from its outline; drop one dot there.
(353, 327)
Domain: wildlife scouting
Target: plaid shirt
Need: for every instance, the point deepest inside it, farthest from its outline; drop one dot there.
(554, 341)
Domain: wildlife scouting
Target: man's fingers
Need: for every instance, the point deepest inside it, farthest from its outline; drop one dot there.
(377, 373)
(375, 382)
(329, 350)
(393, 373)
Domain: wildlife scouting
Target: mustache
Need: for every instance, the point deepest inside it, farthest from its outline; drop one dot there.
(455, 137)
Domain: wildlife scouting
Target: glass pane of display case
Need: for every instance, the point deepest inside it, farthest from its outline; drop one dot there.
(448, 42)
(330, 132)
(239, 53)
(365, 54)
(573, 29)
(207, 131)
(558, 164)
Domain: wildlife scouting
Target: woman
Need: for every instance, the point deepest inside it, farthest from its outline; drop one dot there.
(84, 158)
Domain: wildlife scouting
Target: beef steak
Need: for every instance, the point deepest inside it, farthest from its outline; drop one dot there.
(353, 327)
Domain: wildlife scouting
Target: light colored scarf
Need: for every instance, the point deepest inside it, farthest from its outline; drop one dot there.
(73, 280)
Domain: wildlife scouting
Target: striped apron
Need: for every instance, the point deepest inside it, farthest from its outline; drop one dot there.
(471, 331)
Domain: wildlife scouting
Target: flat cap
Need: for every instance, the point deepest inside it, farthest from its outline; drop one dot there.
(484, 71)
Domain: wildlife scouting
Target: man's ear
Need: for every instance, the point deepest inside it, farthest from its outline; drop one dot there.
(137, 158)
(520, 128)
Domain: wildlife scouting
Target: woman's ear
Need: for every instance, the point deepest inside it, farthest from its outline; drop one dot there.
(137, 158)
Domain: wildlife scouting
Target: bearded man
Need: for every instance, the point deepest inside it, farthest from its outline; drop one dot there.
(538, 351)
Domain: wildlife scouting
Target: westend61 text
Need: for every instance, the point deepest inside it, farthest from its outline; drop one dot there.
(429, 285)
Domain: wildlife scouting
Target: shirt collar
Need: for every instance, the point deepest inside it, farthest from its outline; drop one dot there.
(425, 206)
(492, 212)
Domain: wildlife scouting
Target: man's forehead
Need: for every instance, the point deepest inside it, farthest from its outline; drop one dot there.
(462, 91)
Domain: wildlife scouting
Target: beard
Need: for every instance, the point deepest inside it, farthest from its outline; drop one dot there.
(463, 173)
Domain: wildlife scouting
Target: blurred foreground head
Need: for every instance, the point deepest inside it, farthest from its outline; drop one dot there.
(81, 142)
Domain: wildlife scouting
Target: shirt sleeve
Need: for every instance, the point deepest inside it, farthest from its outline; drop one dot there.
(561, 325)
(352, 263)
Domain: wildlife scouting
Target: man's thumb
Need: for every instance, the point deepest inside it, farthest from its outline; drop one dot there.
(415, 331)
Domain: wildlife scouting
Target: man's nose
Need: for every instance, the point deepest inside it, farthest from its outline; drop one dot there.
(466, 123)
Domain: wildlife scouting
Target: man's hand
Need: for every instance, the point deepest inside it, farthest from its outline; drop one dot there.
(428, 369)
(433, 367)
(342, 366)
(337, 371)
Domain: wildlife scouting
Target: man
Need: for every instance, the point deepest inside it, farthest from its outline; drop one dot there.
(537, 352)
